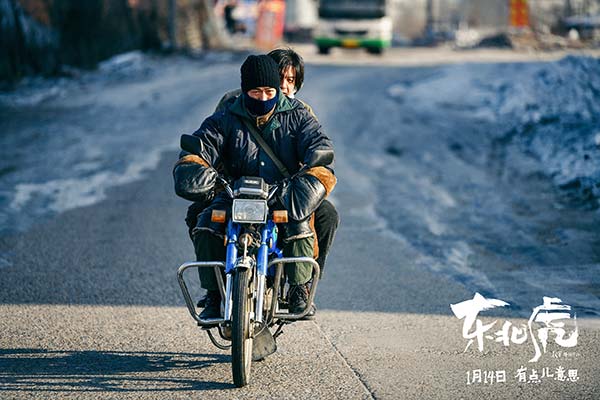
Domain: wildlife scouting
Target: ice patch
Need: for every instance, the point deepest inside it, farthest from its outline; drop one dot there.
(30, 97)
(4, 262)
(65, 194)
(434, 226)
(456, 265)
(397, 90)
(441, 196)
(132, 60)
(575, 282)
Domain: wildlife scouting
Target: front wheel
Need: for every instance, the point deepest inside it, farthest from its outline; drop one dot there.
(241, 334)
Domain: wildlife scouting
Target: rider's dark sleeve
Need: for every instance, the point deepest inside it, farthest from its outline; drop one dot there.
(194, 174)
(211, 134)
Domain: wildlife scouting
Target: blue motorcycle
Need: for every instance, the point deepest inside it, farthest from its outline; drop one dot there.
(253, 289)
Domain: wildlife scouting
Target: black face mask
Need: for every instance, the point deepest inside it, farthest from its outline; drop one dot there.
(259, 107)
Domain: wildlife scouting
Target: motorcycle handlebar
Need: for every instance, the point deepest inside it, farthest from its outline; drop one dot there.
(227, 186)
(272, 188)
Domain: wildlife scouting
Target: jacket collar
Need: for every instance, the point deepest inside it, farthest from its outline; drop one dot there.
(263, 119)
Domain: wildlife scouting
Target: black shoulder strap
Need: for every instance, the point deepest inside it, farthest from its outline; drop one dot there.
(265, 146)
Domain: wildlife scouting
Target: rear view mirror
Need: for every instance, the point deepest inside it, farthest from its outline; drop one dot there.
(320, 158)
(191, 144)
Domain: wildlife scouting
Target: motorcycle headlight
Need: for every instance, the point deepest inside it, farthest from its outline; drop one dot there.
(249, 211)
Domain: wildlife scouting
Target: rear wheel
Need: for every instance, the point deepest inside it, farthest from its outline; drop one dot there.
(241, 334)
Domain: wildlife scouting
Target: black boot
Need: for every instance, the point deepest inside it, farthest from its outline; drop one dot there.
(297, 300)
(202, 302)
(212, 308)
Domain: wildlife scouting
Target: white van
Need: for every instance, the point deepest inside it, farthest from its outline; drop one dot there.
(352, 24)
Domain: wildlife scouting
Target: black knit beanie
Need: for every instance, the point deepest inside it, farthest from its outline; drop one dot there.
(259, 71)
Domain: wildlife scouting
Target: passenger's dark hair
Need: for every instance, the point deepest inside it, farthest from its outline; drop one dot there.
(287, 57)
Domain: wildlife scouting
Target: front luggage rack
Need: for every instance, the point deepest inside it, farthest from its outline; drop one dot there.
(311, 296)
(218, 266)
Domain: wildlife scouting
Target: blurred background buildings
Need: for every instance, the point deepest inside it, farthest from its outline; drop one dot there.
(44, 36)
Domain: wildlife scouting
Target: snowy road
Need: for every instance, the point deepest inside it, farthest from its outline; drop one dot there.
(438, 200)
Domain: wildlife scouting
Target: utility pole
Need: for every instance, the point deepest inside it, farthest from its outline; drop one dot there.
(429, 19)
(172, 24)
(568, 8)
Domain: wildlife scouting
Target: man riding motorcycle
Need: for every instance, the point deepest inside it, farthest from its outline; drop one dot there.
(291, 75)
(227, 146)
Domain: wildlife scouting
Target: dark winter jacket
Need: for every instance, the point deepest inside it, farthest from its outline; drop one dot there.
(227, 145)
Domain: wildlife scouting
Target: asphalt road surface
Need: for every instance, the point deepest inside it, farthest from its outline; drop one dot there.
(89, 302)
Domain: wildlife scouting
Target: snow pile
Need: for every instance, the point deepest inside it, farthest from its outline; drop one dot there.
(131, 62)
(554, 111)
(32, 91)
(569, 87)
(550, 111)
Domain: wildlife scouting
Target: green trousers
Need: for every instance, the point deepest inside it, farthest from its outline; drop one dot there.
(209, 247)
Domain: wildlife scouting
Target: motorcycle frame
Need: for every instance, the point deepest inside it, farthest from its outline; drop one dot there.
(260, 265)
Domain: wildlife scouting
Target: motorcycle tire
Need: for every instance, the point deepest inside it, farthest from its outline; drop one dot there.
(241, 334)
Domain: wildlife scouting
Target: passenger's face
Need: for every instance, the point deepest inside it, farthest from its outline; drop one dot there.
(288, 81)
(262, 93)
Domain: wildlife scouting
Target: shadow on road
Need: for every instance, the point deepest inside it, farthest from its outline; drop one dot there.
(78, 371)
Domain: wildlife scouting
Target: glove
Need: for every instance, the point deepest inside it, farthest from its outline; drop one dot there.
(301, 196)
(195, 182)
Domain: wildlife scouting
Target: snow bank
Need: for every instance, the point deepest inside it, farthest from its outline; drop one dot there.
(550, 111)
(32, 91)
(132, 61)
(556, 114)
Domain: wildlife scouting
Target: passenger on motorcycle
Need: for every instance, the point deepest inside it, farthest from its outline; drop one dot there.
(228, 147)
